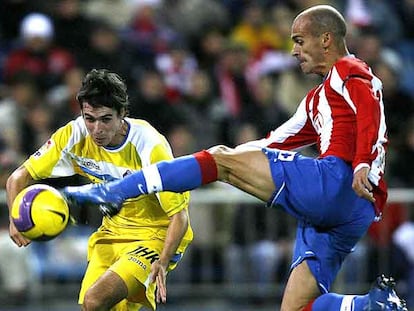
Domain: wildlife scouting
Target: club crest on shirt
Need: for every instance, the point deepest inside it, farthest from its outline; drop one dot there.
(44, 148)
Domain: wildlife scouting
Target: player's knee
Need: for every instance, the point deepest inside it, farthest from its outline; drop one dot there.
(220, 150)
(222, 156)
(92, 302)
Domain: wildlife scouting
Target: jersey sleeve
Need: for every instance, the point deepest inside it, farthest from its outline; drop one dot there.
(51, 160)
(368, 117)
(295, 133)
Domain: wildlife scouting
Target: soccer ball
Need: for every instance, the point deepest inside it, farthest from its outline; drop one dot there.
(40, 212)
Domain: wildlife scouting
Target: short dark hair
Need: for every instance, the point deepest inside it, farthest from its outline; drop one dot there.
(100, 87)
(325, 18)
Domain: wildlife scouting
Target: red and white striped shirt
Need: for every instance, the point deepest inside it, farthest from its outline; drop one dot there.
(344, 116)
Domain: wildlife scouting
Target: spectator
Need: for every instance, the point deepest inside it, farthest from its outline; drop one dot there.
(11, 14)
(17, 282)
(276, 58)
(24, 96)
(401, 175)
(398, 104)
(290, 87)
(37, 127)
(202, 108)
(151, 104)
(190, 18)
(209, 48)
(270, 112)
(376, 14)
(369, 46)
(281, 17)
(104, 10)
(177, 66)
(405, 12)
(107, 50)
(62, 98)
(182, 139)
(9, 160)
(38, 54)
(147, 35)
(72, 27)
(9, 121)
(234, 89)
(255, 32)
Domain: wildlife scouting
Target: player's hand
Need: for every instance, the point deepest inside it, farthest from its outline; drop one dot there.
(108, 202)
(17, 237)
(361, 185)
(159, 275)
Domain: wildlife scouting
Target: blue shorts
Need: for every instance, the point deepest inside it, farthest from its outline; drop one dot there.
(331, 217)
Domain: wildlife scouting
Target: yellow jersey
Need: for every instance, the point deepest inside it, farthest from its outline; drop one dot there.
(71, 150)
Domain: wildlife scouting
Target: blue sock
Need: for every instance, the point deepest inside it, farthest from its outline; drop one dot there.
(178, 175)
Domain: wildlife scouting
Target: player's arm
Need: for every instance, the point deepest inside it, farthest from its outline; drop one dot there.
(368, 116)
(16, 182)
(295, 133)
(175, 233)
(175, 205)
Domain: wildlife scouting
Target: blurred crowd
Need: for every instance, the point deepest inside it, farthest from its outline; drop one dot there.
(202, 72)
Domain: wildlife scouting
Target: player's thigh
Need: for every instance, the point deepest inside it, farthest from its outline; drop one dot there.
(247, 170)
(126, 264)
(134, 268)
(106, 292)
(100, 258)
(301, 288)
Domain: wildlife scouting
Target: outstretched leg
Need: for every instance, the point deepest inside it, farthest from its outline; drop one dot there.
(246, 170)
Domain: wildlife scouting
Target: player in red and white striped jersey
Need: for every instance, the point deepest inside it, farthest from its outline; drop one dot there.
(335, 197)
(345, 117)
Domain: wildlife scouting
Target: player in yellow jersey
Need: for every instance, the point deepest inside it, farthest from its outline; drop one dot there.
(132, 251)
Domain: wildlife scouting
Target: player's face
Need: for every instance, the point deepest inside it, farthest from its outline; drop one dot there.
(104, 124)
(307, 48)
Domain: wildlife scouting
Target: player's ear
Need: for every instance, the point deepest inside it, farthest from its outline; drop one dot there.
(326, 39)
